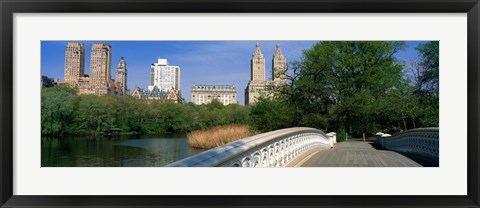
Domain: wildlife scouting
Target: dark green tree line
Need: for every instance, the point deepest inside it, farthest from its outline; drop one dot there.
(65, 112)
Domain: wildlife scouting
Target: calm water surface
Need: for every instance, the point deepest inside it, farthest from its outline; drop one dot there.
(119, 151)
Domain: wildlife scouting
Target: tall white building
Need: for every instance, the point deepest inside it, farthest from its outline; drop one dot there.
(164, 76)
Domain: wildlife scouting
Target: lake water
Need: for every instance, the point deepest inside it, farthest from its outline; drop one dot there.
(115, 151)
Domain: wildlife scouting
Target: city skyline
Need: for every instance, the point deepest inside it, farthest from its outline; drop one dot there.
(202, 62)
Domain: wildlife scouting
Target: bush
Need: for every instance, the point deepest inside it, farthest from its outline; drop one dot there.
(343, 136)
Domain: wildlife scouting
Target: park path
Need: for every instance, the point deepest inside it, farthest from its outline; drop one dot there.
(354, 153)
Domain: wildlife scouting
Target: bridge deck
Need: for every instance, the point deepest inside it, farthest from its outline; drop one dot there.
(356, 154)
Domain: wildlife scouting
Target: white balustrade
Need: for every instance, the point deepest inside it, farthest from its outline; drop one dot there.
(271, 149)
(422, 141)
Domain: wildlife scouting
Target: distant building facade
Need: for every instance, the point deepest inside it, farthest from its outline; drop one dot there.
(203, 94)
(100, 68)
(258, 84)
(99, 81)
(164, 76)
(121, 78)
(279, 66)
(74, 63)
(156, 94)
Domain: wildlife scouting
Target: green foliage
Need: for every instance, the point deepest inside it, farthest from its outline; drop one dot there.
(176, 117)
(343, 82)
(95, 114)
(237, 114)
(342, 136)
(149, 117)
(429, 53)
(215, 104)
(428, 91)
(360, 87)
(269, 115)
(65, 112)
(58, 106)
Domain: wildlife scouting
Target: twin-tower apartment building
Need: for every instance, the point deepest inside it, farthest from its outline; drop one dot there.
(99, 81)
(257, 86)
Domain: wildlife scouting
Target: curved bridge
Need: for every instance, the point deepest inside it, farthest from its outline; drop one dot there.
(272, 149)
(421, 144)
(308, 147)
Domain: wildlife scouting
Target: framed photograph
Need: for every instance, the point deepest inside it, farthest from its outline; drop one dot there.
(244, 104)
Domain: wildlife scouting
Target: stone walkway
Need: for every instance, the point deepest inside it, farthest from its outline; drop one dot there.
(355, 154)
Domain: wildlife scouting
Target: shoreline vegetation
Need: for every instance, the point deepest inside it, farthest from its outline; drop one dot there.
(64, 112)
(219, 135)
(349, 87)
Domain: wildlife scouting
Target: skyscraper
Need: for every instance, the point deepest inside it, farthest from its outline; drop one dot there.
(100, 68)
(121, 77)
(258, 85)
(258, 65)
(164, 76)
(74, 63)
(99, 81)
(279, 65)
(100, 59)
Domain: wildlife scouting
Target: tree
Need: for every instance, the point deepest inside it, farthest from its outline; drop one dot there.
(94, 114)
(429, 53)
(237, 114)
(268, 115)
(215, 104)
(428, 90)
(176, 117)
(58, 106)
(341, 84)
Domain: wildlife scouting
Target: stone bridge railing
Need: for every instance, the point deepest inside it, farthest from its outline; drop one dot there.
(271, 149)
(421, 141)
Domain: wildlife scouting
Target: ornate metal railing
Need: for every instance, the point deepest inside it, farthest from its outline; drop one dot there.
(421, 141)
(271, 149)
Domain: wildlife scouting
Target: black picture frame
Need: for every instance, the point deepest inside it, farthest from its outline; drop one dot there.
(10, 7)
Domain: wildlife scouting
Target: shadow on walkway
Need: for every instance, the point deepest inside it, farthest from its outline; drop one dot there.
(420, 159)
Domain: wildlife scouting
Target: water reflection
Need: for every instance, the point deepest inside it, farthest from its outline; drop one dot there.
(122, 151)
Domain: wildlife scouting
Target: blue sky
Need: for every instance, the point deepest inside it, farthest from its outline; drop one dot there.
(201, 62)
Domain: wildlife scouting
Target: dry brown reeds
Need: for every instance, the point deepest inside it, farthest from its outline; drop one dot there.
(219, 135)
